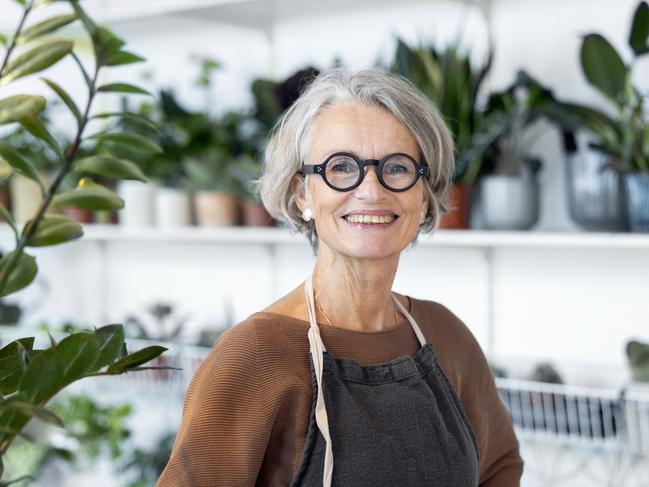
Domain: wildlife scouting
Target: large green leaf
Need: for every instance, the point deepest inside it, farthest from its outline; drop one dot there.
(19, 163)
(37, 128)
(640, 29)
(138, 358)
(603, 66)
(36, 59)
(89, 196)
(44, 377)
(15, 107)
(45, 27)
(111, 343)
(79, 353)
(63, 95)
(20, 276)
(53, 229)
(111, 167)
(10, 366)
(123, 57)
(133, 141)
(123, 88)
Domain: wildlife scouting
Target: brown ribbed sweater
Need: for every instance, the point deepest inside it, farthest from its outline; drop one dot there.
(247, 408)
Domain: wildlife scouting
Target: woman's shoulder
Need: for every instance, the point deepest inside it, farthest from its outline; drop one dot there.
(437, 320)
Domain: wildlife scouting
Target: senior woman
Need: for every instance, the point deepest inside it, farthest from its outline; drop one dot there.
(343, 381)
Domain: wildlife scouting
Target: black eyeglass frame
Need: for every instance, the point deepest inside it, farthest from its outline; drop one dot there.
(421, 170)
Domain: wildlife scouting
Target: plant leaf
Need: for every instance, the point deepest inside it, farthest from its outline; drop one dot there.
(22, 274)
(111, 341)
(5, 173)
(53, 229)
(123, 57)
(43, 377)
(15, 107)
(135, 142)
(36, 59)
(37, 128)
(19, 163)
(138, 358)
(10, 364)
(79, 353)
(111, 167)
(38, 411)
(603, 67)
(63, 95)
(88, 196)
(640, 29)
(123, 88)
(106, 44)
(45, 27)
(132, 117)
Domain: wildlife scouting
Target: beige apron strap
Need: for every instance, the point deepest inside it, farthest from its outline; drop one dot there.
(317, 348)
(413, 323)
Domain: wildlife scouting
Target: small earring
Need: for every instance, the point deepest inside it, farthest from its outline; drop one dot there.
(422, 218)
(307, 214)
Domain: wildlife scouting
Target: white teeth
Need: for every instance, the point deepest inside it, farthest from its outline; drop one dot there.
(369, 218)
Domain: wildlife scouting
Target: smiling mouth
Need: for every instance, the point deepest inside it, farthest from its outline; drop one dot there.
(370, 219)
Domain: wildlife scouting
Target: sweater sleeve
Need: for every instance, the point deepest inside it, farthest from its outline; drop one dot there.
(225, 427)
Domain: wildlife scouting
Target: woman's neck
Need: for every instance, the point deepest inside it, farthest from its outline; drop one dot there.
(355, 294)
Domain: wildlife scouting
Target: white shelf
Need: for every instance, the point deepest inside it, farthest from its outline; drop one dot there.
(273, 235)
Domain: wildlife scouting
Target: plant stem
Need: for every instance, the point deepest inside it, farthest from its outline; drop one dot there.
(28, 8)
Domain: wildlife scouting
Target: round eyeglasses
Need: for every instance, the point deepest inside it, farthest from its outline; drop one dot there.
(344, 171)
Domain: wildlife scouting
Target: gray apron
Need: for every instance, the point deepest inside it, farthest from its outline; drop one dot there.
(396, 424)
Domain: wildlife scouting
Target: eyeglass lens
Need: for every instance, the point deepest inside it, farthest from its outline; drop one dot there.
(343, 171)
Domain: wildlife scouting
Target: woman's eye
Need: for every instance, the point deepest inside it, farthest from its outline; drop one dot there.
(342, 167)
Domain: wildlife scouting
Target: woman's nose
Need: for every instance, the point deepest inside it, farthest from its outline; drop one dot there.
(371, 185)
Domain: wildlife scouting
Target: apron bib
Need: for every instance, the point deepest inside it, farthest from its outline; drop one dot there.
(395, 424)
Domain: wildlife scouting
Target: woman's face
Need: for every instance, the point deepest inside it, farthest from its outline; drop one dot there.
(369, 132)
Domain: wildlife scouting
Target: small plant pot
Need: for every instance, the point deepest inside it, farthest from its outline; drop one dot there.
(256, 215)
(460, 199)
(26, 197)
(82, 216)
(509, 202)
(636, 186)
(139, 203)
(215, 208)
(172, 207)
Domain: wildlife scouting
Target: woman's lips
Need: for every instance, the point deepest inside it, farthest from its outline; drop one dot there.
(377, 226)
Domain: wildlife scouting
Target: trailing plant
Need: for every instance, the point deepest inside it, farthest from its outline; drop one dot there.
(30, 377)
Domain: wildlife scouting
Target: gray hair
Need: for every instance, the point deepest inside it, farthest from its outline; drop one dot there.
(289, 140)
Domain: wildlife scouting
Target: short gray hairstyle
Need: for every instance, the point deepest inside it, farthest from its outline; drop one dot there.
(289, 140)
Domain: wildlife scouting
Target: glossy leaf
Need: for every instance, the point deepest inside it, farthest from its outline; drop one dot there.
(20, 276)
(36, 59)
(640, 29)
(602, 66)
(45, 27)
(44, 376)
(131, 117)
(123, 57)
(87, 22)
(138, 358)
(15, 107)
(123, 88)
(135, 142)
(10, 366)
(111, 167)
(37, 411)
(19, 163)
(111, 343)
(38, 129)
(53, 229)
(63, 95)
(89, 196)
(79, 353)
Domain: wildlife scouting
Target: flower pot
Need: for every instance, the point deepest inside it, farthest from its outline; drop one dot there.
(595, 192)
(215, 208)
(636, 185)
(82, 216)
(172, 208)
(25, 197)
(509, 202)
(256, 215)
(460, 199)
(138, 203)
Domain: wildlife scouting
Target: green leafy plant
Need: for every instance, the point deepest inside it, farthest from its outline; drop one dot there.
(623, 136)
(30, 377)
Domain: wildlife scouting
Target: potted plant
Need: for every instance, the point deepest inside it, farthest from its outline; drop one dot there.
(453, 84)
(621, 138)
(31, 376)
(247, 169)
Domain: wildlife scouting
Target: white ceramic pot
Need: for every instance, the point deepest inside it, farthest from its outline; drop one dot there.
(138, 199)
(216, 208)
(172, 208)
(509, 202)
(25, 197)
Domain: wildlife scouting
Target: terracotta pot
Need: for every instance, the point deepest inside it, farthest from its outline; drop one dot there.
(216, 208)
(460, 199)
(255, 215)
(82, 216)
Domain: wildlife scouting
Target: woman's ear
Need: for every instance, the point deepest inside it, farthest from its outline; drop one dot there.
(297, 188)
